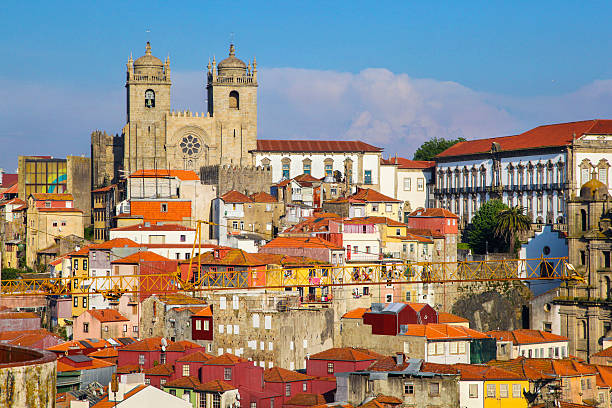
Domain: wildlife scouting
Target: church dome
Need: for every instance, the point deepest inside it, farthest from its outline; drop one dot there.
(148, 60)
(231, 65)
(593, 190)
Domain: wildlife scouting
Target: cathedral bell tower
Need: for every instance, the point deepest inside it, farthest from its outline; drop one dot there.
(148, 101)
(232, 102)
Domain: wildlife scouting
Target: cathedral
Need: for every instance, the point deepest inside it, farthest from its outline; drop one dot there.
(156, 137)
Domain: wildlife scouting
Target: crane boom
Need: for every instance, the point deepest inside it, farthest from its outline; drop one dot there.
(391, 273)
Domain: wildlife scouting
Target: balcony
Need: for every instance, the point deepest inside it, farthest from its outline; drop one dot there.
(361, 257)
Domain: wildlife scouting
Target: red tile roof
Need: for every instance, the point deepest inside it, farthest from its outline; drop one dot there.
(26, 338)
(281, 375)
(403, 163)
(204, 312)
(104, 189)
(185, 175)
(182, 345)
(234, 196)
(560, 134)
(107, 315)
(473, 372)
(164, 370)
(128, 369)
(198, 356)
(607, 352)
(367, 195)
(356, 313)
(319, 222)
(301, 242)
(262, 197)
(150, 344)
(108, 352)
(314, 146)
(64, 364)
(541, 368)
(192, 383)
(14, 189)
(115, 243)
(433, 212)
(306, 178)
(217, 386)
(305, 400)
(437, 331)
(52, 197)
(154, 227)
(445, 318)
(345, 354)
(9, 180)
(19, 315)
(526, 336)
(226, 359)
(141, 256)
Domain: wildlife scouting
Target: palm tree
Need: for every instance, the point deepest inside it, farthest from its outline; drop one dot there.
(511, 222)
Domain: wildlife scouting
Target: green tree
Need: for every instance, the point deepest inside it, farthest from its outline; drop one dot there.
(510, 223)
(481, 233)
(433, 147)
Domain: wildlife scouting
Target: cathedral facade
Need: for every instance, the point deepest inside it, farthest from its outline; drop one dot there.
(156, 137)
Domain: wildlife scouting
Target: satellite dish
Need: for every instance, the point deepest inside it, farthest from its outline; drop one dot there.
(164, 344)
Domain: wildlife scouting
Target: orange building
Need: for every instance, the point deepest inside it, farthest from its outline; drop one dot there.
(169, 210)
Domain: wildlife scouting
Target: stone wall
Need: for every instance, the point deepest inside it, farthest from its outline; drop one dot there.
(106, 158)
(79, 184)
(246, 179)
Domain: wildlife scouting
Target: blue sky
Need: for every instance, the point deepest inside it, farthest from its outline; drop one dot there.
(390, 73)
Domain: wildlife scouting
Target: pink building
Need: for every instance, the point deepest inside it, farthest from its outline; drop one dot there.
(438, 220)
(101, 323)
(19, 321)
(286, 383)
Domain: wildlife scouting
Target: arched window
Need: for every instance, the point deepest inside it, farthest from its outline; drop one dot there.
(583, 216)
(582, 329)
(234, 100)
(149, 98)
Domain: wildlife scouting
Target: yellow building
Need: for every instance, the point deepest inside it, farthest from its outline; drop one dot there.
(482, 386)
(80, 273)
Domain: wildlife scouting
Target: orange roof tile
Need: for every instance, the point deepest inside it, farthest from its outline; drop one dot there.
(234, 196)
(14, 189)
(116, 243)
(160, 369)
(198, 356)
(104, 189)
(559, 134)
(108, 352)
(177, 210)
(433, 212)
(217, 386)
(356, 313)
(25, 338)
(301, 242)
(526, 336)
(305, 400)
(262, 197)
(403, 163)
(474, 372)
(150, 344)
(52, 196)
(540, 368)
(607, 352)
(107, 315)
(182, 345)
(345, 354)
(281, 375)
(226, 359)
(387, 399)
(19, 315)
(64, 365)
(445, 318)
(128, 369)
(367, 195)
(184, 175)
(437, 331)
(204, 312)
(77, 345)
(141, 256)
(264, 145)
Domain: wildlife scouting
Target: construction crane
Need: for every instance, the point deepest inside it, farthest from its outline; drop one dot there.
(193, 278)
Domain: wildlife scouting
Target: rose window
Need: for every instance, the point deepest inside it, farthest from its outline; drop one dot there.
(190, 145)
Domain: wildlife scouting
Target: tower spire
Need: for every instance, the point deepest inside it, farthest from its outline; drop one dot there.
(232, 51)
(148, 48)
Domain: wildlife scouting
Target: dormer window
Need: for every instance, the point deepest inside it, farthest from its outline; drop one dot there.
(149, 98)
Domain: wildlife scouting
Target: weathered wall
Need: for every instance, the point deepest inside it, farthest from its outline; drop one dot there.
(245, 179)
(106, 158)
(28, 378)
(79, 184)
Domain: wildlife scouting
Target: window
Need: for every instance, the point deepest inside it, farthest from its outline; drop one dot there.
(162, 382)
(227, 373)
(304, 387)
(173, 392)
(55, 223)
(256, 321)
(473, 390)
(434, 389)
(164, 207)
(234, 100)
(490, 390)
(125, 328)
(603, 175)
(85, 327)
(374, 208)
(147, 381)
(409, 388)
(183, 238)
(84, 264)
(407, 182)
(584, 175)
(329, 170)
(367, 177)
(206, 325)
(503, 390)
(306, 168)
(389, 298)
(287, 389)
(185, 370)
(330, 368)
(85, 302)
(76, 264)
(420, 184)
(271, 401)
(253, 405)
(76, 301)
(135, 329)
(149, 98)
(285, 170)
(222, 303)
(141, 359)
(268, 322)
(366, 290)
(198, 324)
(516, 390)
(389, 207)
(216, 401)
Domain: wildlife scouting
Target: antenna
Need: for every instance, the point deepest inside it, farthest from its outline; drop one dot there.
(164, 344)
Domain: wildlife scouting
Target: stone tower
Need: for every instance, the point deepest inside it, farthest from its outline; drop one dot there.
(232, 102)
(148, 101)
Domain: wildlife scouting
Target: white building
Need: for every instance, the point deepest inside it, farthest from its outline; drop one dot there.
(132, 392)
(155, 233)
(409, 181)
(360, 238)
(533, 343)
(357, 162)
